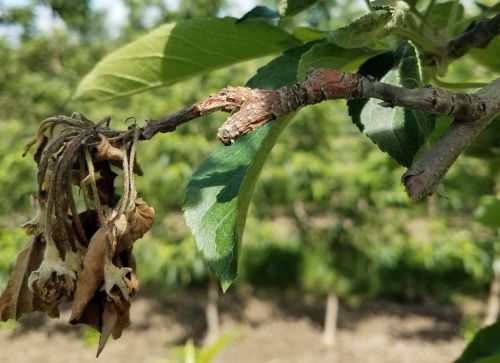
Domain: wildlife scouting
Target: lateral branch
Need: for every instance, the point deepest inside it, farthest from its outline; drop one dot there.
(479, 36)
(252, 108)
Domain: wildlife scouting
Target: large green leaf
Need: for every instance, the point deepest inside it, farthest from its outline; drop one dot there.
(293, 7)
(174, 52)
(220, 190)
(398, 131)
(362, 31)
(327, 55)
(484, 348)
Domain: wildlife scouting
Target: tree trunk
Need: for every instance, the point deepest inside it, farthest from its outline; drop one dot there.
(493, 307)
(212, 312)
(330, 328)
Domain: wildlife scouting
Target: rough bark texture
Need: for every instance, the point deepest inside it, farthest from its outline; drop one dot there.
(253, 108)
(423, 176)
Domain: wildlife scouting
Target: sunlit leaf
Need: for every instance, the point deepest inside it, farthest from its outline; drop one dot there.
(327, 55)
(362, 31)
(306, 34)
(220, 190)
(175, 52)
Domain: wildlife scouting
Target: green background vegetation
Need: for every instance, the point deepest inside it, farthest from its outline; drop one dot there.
(328, 213)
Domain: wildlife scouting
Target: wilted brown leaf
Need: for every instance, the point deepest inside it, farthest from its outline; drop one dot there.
(109, 319)
(140, 219)
(92, 275)
(17, 299)
(106, 151)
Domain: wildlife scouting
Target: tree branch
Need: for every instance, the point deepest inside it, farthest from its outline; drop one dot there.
(253, 108)
(426, 173)
(478, 37)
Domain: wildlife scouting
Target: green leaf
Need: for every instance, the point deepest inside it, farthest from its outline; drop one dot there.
(293, 7)
(306, 34)
(362, 31)
(175, 52)
(448, 18)
(398, 131)
(259, 12)
(488, 56)
(220, 190)
(327, 55)
(488, 212)
(484, 348)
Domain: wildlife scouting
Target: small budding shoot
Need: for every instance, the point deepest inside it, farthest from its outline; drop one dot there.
(81, 254)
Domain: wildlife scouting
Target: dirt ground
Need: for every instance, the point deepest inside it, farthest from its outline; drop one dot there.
(273, 331)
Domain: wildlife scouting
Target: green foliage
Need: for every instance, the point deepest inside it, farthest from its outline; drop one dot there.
(293, 7)
(484, 348)
(12, 240)
(338, 265)
(488, 212)
(469, 326)
(169, 265)
(175, 52)
(452, 260)
(260, 12)
(341, 180)
(447, 18)
(327, 55)
(219, 193)
(189, 353)
(16, 172)
(363, 31)
(399, 132)
(489, 55)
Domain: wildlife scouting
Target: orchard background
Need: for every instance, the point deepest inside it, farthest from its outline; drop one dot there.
(330, 234)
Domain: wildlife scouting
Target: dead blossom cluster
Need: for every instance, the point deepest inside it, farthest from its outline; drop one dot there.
(80, 249)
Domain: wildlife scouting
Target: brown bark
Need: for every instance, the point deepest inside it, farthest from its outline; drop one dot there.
(253, 108)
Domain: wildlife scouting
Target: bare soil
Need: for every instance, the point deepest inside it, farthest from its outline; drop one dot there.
(273, 331)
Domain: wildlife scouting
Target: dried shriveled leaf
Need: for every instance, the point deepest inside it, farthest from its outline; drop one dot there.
(109, 319)
(92, 313)
(17, 299)
(106, 151)
(139, 221)
(92, 275)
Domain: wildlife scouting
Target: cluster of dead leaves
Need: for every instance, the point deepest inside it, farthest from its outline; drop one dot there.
(81, 256)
